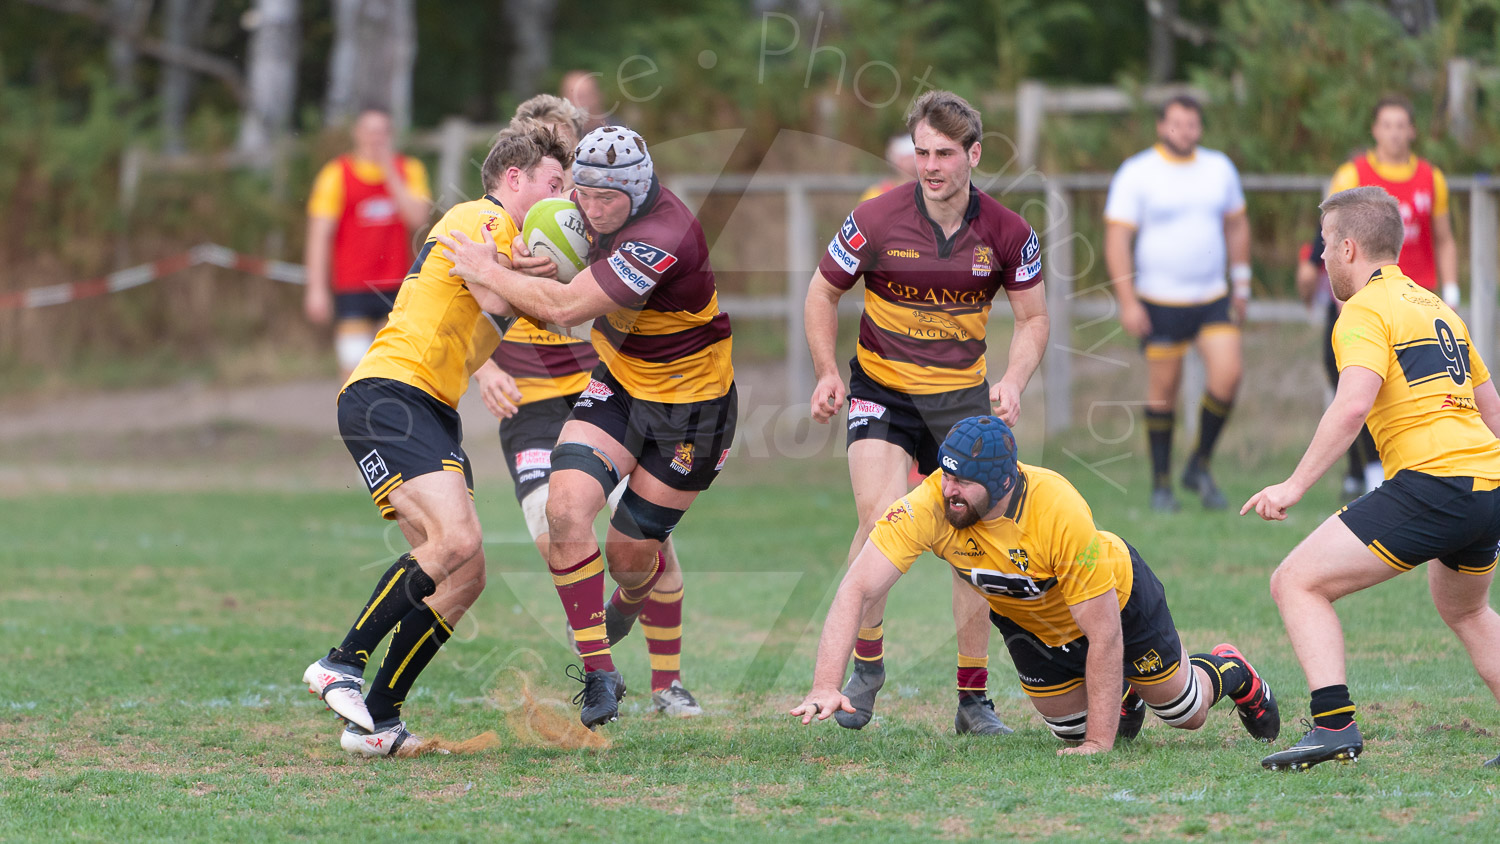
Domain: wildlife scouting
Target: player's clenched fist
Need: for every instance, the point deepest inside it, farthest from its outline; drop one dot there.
(827, 398)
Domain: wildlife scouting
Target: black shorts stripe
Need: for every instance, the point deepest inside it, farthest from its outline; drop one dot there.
(1414, 517)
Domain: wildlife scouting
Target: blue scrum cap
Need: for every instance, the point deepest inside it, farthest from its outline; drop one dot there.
(982, 449)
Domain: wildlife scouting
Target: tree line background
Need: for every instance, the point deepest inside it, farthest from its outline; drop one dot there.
(252, 96)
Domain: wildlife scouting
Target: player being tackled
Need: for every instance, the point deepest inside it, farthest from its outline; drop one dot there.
(1079, 610)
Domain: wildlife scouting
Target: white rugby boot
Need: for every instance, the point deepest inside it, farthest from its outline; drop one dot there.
(339, 687)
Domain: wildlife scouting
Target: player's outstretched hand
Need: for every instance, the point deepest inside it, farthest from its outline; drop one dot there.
(822, 703)
(499, 391)
(522, 261)
(827, 398)
(1272, 502)
(1005, 401)
(1088, 748)
(470, 257)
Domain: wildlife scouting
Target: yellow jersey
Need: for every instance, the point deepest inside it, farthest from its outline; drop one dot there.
(1032, 563)
(437, 335)
(327, 197)
(1347, 176)
(1424, 417)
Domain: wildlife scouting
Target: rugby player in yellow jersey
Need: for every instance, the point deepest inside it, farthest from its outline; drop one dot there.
(933, 254)
(398, 417)
(1079, 610)
(661, 401)
(530, 384)
(1407, 364)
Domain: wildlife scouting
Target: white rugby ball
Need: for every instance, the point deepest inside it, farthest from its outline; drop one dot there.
(554, 228)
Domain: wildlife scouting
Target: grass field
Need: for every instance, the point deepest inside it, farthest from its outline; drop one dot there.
(154, 644)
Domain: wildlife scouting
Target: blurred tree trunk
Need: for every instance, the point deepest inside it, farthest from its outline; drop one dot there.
(1163, 59)
(374, 51)
(1416, 16)
(127, 20)
(186, 22)
(270, 77)
(531, 25)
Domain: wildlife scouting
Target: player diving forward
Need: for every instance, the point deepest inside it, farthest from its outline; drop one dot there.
(1080, 612)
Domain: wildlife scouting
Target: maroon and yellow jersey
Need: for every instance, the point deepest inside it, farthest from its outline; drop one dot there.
(927, 298)
(668, 342)
(1040, 557)
(545, 365)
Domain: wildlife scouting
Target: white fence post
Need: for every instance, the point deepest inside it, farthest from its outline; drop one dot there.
(1057, 274)
(1484, 262)
(800, 263)
(453, 146)
(1031, 106)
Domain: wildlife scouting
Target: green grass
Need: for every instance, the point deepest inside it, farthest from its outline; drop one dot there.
(154, 644)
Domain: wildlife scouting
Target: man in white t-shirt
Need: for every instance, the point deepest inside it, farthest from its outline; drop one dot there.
(1183, 207)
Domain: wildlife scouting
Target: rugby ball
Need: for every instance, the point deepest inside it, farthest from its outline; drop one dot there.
(554, 228)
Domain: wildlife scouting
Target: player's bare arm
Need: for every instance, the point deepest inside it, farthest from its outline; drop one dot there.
(1237, 243)
(870, 577)
(1027, 346)
(317, 257)
(1339, 426)
(1445, 251)
(1104, 672)
(821, 322)
(1118, 239)
(1488, 402)
(570, 304)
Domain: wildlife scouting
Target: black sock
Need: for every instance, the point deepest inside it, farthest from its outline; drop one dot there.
(417, 639)
(400, 590)
(1229, 677)
(1213, 414)
(1159, 425)
(1332, 708)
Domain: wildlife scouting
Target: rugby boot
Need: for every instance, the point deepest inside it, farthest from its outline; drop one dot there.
(861, 689)
(617, 624)
(1196, 478)
(338, 686)
(389, 738)
(1132, 716)
(1257, 707)
(1319, 744)
(676, 701)
(599, 699)
(976, 715)
(1163, 501)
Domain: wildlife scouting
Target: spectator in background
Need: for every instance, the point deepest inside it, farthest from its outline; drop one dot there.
(360, 218)
(1429, 254)
(1364, 472)
(581, 88)
(901, 154)
(1182, 206)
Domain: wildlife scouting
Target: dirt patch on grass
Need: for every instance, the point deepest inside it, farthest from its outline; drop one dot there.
(1464, 726)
